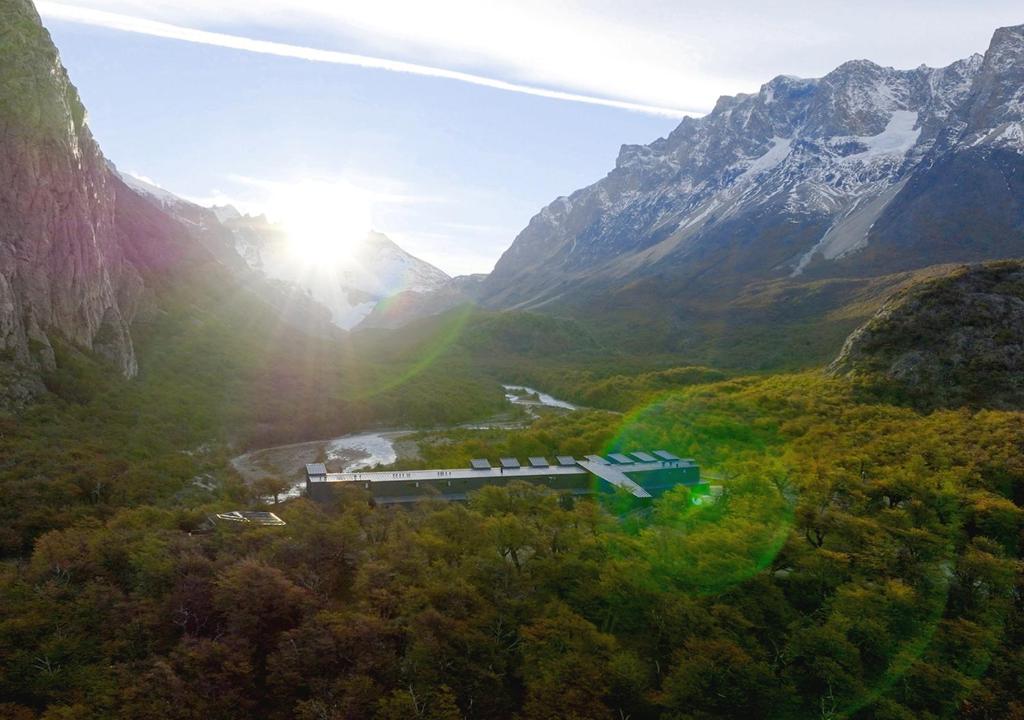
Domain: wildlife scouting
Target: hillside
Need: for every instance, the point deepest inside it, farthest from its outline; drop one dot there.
(955, 340)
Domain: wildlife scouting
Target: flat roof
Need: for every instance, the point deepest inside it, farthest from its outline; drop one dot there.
(536, 461)
(643, 456)
(481, 468)
(666, 455)
(509, 463)
(412, 476)
(621, 459)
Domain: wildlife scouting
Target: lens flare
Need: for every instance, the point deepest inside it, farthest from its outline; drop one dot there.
(693, 539)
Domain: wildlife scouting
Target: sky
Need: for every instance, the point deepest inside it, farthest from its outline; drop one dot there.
(452, 122)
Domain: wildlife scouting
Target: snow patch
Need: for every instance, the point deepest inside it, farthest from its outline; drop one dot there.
(1012, 136)
(774, 157)
(898, 138)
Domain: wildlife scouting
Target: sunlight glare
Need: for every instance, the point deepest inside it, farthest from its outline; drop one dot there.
(324, 222)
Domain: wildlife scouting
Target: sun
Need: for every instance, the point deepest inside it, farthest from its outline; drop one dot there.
(324, 222)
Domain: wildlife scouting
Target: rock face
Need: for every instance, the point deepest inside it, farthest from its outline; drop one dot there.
(62, 270)
(956, 340)
(867, 170)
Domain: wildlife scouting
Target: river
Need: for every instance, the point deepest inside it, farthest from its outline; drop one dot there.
(362, 451)
(521, 395)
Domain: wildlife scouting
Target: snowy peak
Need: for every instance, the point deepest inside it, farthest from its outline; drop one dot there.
(349, 285)
(392, 269)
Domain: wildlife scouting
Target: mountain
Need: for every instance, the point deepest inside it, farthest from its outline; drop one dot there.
(408, 305)
(952, 341)
(349, 287)
(809, 187)
(66, 270)
(86, 258)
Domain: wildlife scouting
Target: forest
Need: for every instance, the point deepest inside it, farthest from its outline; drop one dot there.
(863, 561)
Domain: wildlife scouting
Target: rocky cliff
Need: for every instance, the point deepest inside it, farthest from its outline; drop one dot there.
(63, 272)
(955, 340)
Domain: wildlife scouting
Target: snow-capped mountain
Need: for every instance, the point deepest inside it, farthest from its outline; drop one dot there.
(866, 170)
(349, 286)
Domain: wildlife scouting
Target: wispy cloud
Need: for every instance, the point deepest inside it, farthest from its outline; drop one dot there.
(128, 23)
(379, 190)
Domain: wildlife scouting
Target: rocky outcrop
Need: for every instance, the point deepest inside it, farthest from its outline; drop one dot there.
(956, 340)
(63, 272)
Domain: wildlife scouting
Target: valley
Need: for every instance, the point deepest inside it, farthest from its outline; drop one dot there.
(815, 290)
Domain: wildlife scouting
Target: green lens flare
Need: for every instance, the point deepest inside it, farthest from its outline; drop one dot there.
(709, 537)
(405, 364)
(708, 540)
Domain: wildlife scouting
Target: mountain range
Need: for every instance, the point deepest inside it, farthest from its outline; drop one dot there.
(759, 235)
(349, 287)
(807, 196)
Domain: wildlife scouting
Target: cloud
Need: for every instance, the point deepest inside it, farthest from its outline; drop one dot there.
(127, 23)
(657, 54)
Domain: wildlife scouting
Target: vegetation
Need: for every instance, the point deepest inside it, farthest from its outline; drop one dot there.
(863, 561)
(216, 377)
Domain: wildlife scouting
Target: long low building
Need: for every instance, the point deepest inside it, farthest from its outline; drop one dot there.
(641, 474)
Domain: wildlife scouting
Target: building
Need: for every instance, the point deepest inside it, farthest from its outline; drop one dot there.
(239, 518)
(640, 474)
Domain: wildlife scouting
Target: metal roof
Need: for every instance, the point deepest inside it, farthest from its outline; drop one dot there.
(565, 460)
(316, 469)
(597, 459)
(665, 455)
(480, 464)
(643, 456)
(616, 477)
(251, 516)
(621, 459)
(539, 462)
(509, 463)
